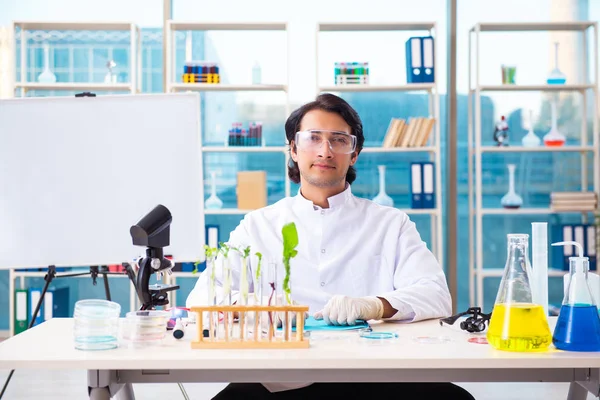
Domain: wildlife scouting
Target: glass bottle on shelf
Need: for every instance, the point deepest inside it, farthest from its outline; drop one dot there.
(47, 76)
(517, 324)
(256, 74)
(382, 198)
(531, 139)
(554, 138)
(213, 202)
(110, 76)
(556, 77)
(511, 199)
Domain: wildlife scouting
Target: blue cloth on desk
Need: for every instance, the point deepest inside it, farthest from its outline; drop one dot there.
(311, 324)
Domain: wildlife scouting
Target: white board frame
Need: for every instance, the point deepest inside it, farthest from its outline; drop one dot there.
(99, 164)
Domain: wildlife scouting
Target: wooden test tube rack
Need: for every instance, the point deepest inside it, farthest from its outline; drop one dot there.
(295, 340)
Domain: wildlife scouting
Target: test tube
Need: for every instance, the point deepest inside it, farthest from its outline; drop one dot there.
(213, 317)
(257, 286)
(244, 289)
(539, 249)
(273, 297)
(227, 298)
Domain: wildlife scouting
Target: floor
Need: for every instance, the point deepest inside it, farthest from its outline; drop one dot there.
(71, 385)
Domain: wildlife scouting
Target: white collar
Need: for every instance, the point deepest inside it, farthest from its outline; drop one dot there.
(334, 201)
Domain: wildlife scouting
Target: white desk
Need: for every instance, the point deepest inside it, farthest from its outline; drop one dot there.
(332, 359)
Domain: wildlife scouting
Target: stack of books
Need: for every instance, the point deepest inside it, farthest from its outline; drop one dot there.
(415, 133)
(573, 201)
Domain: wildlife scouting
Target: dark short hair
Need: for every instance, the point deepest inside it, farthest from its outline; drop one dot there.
(330, 103)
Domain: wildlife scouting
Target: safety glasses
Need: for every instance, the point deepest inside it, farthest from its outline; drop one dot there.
(339, 142)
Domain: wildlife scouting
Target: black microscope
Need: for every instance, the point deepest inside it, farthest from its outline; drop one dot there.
(152, 231)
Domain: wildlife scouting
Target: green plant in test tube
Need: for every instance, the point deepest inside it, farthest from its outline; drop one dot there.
(245, 253)
(224, 250)
(257, 280)
(290, 242)
(210, 255)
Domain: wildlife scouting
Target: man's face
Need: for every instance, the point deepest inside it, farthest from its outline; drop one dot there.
(321, 167)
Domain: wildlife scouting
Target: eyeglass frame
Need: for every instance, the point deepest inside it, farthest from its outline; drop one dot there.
(352, 137)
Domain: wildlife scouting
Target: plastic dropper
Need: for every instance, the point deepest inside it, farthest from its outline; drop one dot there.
(578, 325)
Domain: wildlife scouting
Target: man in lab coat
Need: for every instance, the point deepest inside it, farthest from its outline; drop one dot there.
(356, 260)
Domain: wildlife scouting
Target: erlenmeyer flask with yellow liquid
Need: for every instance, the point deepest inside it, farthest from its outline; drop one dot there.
(517, 324)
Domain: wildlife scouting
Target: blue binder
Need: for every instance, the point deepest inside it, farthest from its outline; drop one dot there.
(584, 234)
(416, 185)
(414, 60)
(428, 176)
(420, 59)
(34, 296)
(428, 54)
(56, 303)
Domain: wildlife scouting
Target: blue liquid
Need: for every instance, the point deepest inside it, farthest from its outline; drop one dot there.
(105, 342)
(556, 81)
(577, 328)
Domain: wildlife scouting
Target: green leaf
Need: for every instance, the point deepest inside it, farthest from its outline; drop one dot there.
(290, 241)
(290, 237)
(246, 252)
(259, 256)
(224, 249)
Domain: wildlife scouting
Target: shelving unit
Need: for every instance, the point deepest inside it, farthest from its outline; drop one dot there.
(173, 86)
(476, 211)
(135, 65)
(431, 89)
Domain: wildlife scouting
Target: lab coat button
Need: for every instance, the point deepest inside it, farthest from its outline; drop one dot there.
(322, 212)
(322, 283)
(323, 251)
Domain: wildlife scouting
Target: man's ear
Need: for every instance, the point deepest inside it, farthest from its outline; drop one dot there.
(354, 158)
(293, 151)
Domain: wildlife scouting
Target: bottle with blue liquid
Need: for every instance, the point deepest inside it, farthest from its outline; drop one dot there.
(578, 325)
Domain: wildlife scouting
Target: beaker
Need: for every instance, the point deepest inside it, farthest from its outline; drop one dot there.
(517, 324)
(578, 325)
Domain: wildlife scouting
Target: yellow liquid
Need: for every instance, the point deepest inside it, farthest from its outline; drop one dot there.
(519, 327)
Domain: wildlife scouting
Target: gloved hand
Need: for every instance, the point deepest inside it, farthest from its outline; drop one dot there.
(344, 310)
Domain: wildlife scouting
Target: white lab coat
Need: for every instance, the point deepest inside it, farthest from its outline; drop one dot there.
(355, 248)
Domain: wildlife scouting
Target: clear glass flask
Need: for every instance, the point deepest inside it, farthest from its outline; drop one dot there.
(517, 324)
(531, 139)
(578, 325)
(213, 202)
(511, 199)
(382, 198)
(47, 76)
(556, 77)
(554, 138)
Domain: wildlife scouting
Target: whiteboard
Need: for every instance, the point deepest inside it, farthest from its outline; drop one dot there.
(77, 173)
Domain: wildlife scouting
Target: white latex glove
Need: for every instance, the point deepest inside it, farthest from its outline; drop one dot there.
(344, 310)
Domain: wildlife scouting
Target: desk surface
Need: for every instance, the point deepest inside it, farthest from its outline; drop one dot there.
(50, 346)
